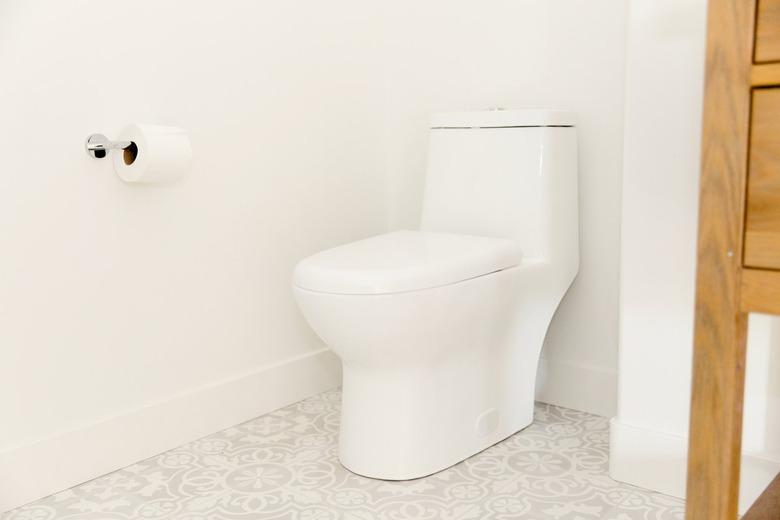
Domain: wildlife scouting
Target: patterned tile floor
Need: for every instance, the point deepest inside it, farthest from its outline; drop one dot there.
(284, 466)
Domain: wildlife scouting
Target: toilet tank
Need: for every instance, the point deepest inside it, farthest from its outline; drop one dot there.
(505, 173)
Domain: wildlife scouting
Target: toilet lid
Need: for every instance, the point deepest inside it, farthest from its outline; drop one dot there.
(404, 261)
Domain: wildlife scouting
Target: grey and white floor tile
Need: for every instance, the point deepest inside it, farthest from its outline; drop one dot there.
(284, 466)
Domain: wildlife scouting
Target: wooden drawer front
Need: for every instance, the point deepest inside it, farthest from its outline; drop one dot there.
(768, 31)
(762, 226)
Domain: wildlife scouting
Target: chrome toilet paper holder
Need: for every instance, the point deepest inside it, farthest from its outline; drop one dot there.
(98, 145)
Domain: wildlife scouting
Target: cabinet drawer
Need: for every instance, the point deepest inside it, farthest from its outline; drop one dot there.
(762, 224)
(768, 31)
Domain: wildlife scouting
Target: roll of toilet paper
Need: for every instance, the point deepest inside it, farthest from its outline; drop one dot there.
(158, 154)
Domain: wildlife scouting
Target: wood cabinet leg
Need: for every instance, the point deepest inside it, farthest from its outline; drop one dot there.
(715, 441)
(720, 331)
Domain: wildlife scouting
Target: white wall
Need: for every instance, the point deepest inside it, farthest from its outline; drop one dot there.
(135, 318)
(665, 66)
(118, 298)
(560, 54)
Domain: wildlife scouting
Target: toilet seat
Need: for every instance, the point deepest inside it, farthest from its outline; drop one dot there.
(404, 261)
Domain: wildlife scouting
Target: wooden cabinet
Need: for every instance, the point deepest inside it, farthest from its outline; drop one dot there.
(738, 265)
(767, 31)
(762, 225)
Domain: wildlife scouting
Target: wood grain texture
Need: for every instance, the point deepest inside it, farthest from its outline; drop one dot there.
(762, 226)
(720, 325)
(762, 249)
(768, 31)
(767, 506)
(760, 291)
(765, 75)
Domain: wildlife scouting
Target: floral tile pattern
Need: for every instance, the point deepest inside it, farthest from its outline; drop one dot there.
(284, 466)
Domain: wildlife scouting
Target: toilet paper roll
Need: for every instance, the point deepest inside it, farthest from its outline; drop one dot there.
(158, 154)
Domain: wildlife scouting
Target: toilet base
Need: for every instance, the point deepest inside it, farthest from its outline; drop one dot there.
(433, 377)
(417, 474)
(404, 426)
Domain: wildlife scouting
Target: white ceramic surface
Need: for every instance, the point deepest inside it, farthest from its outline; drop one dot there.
(438, 369)
(404, 261)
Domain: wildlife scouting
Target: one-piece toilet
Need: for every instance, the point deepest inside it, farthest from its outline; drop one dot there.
(440, 330)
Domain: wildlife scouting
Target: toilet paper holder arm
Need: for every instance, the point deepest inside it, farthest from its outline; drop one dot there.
(98, 145)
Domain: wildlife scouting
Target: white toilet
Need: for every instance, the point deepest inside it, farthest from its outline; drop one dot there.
(439, 330)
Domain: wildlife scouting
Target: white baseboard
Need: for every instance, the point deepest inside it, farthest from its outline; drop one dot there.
(580, 387)
(647, 458)
(36, 470)
(657, 460)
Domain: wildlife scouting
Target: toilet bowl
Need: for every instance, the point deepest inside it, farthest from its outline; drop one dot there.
(440, 329)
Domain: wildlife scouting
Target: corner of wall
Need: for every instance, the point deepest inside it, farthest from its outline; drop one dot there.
(577, 386)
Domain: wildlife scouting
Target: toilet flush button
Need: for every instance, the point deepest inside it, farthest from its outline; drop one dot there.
(487, 422)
